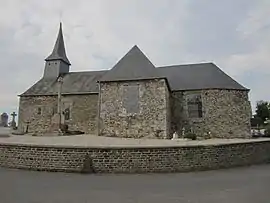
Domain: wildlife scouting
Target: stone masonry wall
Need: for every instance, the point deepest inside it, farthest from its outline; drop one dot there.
(150, 105)
(28, 112)
(226, 113)
(83, 112)
(134, 160)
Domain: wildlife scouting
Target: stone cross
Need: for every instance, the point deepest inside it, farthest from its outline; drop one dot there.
(13, 122)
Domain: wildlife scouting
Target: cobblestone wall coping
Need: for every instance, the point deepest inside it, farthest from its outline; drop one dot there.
(91, 141)
(181, 145)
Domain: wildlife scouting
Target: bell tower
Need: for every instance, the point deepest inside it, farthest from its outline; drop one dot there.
(57, 62)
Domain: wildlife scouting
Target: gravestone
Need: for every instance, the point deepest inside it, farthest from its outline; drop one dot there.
(175, 136)
(4, 120)
(13, 122)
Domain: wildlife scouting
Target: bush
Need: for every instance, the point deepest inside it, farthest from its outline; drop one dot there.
(64, 128)
(267, 131)
(207, 135)
(191, 136)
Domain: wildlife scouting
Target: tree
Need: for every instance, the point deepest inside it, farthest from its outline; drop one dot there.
(256, 121)
(263, 110)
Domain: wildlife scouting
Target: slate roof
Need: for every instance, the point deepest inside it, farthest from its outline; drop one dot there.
(73, 83)
(135, 66)
(59, 51)
(198, 76)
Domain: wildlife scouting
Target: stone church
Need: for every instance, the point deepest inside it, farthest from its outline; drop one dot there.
(137, 99)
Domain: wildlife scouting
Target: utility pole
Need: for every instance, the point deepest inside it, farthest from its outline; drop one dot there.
(59, 103)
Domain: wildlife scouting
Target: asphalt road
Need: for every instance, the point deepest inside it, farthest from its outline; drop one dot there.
(241, 185)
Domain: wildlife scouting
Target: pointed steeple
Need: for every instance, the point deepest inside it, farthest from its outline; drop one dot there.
(59, 51)
(133, 66)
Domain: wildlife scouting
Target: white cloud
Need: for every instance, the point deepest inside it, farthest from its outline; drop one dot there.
(254, 30)
(98, 32)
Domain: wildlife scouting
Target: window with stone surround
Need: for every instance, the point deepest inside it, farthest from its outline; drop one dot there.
(131, 98)
(67, 109)
(194, 103)
(67, 114)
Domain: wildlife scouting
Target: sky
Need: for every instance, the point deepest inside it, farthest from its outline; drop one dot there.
(233, 34)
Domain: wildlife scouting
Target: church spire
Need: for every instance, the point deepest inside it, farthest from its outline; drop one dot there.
(59, 51)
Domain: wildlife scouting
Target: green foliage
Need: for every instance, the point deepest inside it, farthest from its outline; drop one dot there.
(64, 128)
(207, 135)
(262, 111)
(267, 131)
(190, 135)
(256, 121)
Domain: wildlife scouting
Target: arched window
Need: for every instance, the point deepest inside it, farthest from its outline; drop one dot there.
(194, 103)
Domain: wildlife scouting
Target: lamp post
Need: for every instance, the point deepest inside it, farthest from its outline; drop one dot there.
(59, 103)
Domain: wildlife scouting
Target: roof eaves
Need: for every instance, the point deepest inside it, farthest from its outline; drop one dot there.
(197, 89)
(55, 94)
(132, 79)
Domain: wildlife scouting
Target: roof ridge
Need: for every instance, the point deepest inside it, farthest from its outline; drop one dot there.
(186, 64)
(90, 71)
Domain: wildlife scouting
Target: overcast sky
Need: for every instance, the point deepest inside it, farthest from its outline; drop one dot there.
(234, 34)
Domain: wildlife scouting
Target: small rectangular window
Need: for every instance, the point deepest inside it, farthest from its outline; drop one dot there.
(194, 103)
(39, 110)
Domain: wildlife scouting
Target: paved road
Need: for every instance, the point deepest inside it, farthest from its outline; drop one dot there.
(241, 185)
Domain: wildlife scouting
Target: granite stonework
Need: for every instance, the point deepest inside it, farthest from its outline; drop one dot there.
(134, 159)
(135, 109)
(37, 112)
(226, 113)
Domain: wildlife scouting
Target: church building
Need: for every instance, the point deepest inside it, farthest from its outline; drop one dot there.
(136, 99)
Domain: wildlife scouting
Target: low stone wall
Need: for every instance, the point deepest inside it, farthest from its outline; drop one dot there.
(135, 159)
